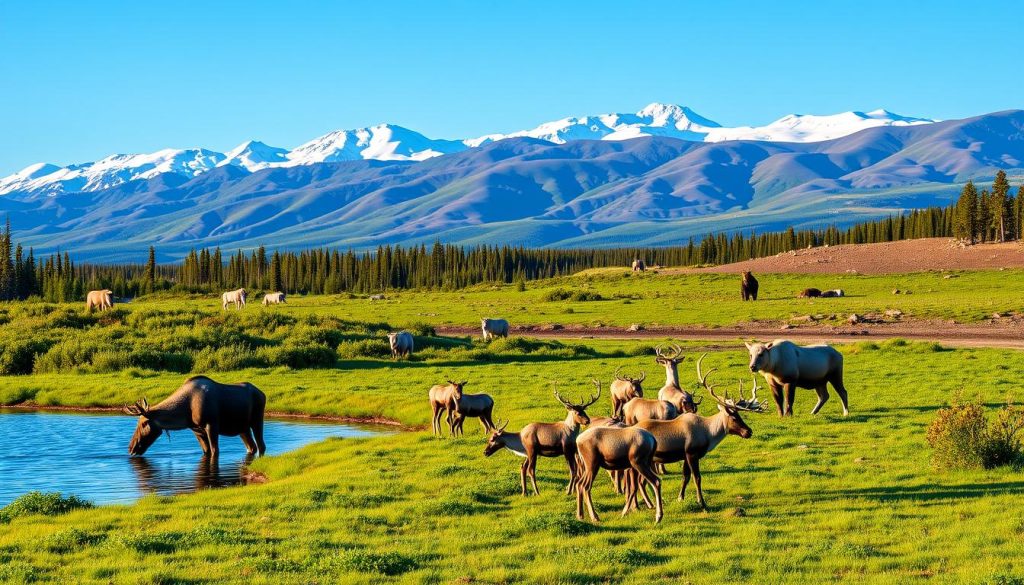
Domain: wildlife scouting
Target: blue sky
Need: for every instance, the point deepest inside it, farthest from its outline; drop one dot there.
(82, 80)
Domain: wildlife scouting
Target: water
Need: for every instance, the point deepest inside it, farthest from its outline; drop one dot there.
(87, 455)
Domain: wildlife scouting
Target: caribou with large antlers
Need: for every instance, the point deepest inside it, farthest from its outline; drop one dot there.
(624, 389)
(672, 391)
(690, 438)
(545, 440)
(628, 450)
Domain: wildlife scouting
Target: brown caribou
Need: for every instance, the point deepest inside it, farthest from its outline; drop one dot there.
(444, 399)
(624, 389)
(209, 409)
(479, 406)
(544, 440)
(690, 437)
(628, 450)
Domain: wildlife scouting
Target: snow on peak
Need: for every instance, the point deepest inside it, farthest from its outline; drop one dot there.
(395, 143)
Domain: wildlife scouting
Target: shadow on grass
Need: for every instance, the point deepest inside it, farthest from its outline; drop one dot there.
(926, 493)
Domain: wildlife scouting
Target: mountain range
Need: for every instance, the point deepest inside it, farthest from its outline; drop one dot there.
(680, 176)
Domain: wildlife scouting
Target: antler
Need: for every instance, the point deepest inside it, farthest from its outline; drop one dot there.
(139, 408)
(701, 377)
(643, 375)
(559, 396)
(620, 378)
(593, 398)
(752, 405)
(675, 348)
(501, 427)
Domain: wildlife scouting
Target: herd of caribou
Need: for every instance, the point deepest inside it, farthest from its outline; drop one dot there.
(634, 444)
(643, 434)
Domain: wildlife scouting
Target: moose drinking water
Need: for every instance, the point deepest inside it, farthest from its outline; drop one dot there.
(207, 408)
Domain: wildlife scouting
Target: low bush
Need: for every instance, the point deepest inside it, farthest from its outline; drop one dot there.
(962, 436)
(561, 294)
(47, 504)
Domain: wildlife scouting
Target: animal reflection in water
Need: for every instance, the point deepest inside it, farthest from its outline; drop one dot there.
(209, 473)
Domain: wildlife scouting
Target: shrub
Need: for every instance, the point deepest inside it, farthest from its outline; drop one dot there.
(962, 437)
(422, 329)
(300, 356)
(47, 504)
(364, 348)
(17, 356)
(561, 294)
(386, 563)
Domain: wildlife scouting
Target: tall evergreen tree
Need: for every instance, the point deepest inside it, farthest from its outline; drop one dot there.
(965, 226)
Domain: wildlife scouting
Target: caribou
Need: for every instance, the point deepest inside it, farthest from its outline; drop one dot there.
(479, 406)
(492, 328)
(639, 409)
(787, 366)
(444, 399)
(209, 409)
(638, 265)
(672, 391)
(233, 297)
(624, 389)
(618, 449)
(544, 440)
(689, 438)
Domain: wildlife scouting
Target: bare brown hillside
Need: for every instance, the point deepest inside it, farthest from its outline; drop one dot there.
(885, 258)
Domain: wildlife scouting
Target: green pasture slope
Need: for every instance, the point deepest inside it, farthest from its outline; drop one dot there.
(678, 299)
(805, 500)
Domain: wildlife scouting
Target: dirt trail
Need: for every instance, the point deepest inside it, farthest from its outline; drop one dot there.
(1000, 335)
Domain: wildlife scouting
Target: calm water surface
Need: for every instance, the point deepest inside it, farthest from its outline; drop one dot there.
(87, 455)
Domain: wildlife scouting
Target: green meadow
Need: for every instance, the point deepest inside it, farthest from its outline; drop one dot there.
(805, 500)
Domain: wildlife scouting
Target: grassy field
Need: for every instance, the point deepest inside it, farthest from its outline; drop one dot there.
(680, 299)
(805, 500)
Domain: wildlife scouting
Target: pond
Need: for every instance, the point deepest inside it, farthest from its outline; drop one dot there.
(87, 455)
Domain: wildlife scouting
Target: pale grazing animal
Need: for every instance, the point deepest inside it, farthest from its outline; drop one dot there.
(233, 297)
(787, 366)
(638, 265)
(624, 389)
(100, 300)
(494, 328)
(401, 343)
(273, 298)
(209, 409)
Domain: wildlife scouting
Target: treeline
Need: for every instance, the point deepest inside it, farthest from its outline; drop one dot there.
(991, 216)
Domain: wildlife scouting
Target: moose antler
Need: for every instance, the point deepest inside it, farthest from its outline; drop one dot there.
(139, 408)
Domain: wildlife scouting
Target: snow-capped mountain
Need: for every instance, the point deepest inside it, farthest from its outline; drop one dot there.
(394, 143)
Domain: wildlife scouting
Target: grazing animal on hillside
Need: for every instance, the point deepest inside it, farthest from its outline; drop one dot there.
(209, 409)
(401, 343)
(444, 399)
(691, 437)
(833, 293)
(624, 389)
(748, 287)
(273, 298)
(672, 391)
(544, 440)
(638, 265)
(787, 366)
(99, 299)
(479, 406)
(377, 297)
(628, 451)
(235, 297)
(809, 293)
(494, 328)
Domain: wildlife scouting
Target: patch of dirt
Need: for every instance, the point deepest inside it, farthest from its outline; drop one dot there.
(1001, 334)
(884, 258)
